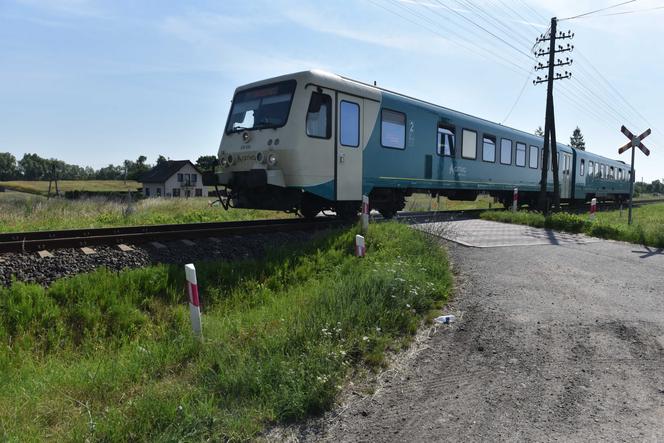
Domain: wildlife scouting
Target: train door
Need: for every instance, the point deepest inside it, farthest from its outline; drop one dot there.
(566, 176)
(349, 146)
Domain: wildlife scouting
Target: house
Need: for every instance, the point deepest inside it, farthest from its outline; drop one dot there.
(173, 178)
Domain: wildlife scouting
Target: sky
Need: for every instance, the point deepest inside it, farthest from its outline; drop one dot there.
(95, 82)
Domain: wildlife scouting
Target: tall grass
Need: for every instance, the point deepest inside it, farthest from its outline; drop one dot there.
(110, 357)
(647, 229)
(36, 213)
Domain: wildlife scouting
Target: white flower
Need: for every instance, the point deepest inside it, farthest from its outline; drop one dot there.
(365, 338)
(407, 305)
(377, 329)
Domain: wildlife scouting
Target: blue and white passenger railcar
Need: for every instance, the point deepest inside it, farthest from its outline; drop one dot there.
(312, 140)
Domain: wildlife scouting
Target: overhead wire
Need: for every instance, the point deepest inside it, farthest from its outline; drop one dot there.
(588, 99)
(585, 14)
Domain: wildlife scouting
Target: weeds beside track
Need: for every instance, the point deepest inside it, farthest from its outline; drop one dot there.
(106, 356)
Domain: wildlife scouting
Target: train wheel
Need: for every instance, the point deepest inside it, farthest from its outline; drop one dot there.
(347, 211)
(387, 213)
(310, 211)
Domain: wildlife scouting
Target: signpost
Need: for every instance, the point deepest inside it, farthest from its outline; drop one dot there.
(635, 142)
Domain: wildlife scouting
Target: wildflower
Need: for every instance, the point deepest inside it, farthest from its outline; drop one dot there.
(407, 305)
(377, 329)
(400, 279)
(365, 338)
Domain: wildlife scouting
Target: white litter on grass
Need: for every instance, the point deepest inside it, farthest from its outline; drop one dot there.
(445, 319)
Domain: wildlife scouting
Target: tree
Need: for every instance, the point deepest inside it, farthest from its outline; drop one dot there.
(539, 132)
(8, 168)
(33, 167)
(206, 163)
(576, 140)
(161, 160)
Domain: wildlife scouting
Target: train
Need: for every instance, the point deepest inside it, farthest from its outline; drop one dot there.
(314, 141)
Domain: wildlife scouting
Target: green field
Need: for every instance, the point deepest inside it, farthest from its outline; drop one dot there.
(34, 213)
(647, 228)
(424, 202)
(41, 187)
(110, 357)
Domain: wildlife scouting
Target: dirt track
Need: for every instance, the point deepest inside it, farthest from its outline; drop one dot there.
(573, 354)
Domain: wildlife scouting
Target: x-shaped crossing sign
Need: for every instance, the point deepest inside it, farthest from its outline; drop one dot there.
(635, 141)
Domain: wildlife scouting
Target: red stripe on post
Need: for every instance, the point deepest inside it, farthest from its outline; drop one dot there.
(193, 294)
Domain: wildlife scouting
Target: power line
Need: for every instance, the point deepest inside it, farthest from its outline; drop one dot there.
(529, 56)
(597, 10)
(633, 11)
(518, 98)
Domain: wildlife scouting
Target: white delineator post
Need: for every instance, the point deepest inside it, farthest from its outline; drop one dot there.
(593, 208)
(360, 248)
(515, 200)
(194, 301)
(365, 214)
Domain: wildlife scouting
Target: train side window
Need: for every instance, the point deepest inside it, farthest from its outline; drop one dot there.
(446, 140)
(319, 116)
(612, 173)
(489, 148)
(349, 124)
(393, 129)
(506, 151)
(591, 170)
(469, 144)
(520, 154)
(534, 156)
(582, 167)
(620, 174)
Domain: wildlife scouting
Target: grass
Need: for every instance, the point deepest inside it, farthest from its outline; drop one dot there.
(37, 213)
(647, 228)
(41, 187)
(424, 202)
(107, 357)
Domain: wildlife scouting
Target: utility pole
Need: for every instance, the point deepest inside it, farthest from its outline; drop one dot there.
(550, 145)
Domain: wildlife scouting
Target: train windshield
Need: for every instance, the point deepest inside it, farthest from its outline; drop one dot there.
(262, 107)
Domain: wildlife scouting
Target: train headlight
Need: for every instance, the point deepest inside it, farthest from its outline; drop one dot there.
(272, 159)
(246, 136)
(259, 157)
(230, 159)
(223, 162)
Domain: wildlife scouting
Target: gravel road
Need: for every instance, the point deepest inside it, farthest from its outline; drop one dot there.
(554, 342)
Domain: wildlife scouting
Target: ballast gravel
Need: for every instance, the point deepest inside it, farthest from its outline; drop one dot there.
(30, 268)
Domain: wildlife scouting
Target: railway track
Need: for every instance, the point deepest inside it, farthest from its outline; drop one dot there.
(76, 238)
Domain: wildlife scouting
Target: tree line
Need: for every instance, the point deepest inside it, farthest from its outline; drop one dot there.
(34, 167)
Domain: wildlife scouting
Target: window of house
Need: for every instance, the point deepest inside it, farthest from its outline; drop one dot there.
(520, 154)
(319, 116)
(180, 178)
(534, 157)
(446, 140)
(469, 144)
(158, 192)
(393, 129)
(506, 151)
(199, 192)
(147, 192)
(349, 124)
(176, 192)
(582, 167)
(489, 148)
(194, 178)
